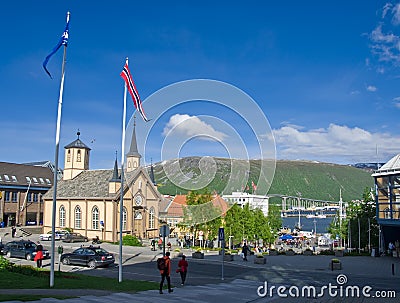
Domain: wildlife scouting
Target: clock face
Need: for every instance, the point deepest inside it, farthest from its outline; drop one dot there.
(138, 200)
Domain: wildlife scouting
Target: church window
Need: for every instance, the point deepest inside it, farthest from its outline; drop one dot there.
(95, 218)
(78, 156)
(69, 156)
(124, 216)
(62, 216)
(151, 218)
(78, 217)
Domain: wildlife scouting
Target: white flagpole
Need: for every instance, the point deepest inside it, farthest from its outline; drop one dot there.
(121, 202)
(53, 218)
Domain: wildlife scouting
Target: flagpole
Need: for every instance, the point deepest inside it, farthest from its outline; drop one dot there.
(121, 203)
(53, 218)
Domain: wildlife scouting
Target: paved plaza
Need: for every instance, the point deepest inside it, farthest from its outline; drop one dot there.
(243, 281)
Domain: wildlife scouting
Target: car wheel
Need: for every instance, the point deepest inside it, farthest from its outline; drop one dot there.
(28, 257)
(65, 261)
(8, 254)
(92, 264)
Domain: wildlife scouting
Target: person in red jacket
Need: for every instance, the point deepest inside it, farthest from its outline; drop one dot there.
(165, 273)
(39, 255)
(183, 265)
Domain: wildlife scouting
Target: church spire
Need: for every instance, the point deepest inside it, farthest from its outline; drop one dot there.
(133, 156)
(115, 177)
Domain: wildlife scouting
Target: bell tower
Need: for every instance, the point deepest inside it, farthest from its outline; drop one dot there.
(76, 158)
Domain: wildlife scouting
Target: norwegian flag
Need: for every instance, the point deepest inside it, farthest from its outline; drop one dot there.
(126, 75)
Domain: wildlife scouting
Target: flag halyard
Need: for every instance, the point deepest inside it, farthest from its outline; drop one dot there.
(63, 41)
(126, 75)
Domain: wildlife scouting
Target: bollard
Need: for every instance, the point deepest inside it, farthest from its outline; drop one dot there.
(332, 265)
(392, 269)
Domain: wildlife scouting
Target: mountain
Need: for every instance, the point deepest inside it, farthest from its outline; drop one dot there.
(314, 180)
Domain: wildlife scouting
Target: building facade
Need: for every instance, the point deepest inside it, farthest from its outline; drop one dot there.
(255, 201)
(22, 188)
(387, 198)
(88, 200)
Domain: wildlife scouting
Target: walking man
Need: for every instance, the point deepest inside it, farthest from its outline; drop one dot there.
(165, 273)
(245, 250)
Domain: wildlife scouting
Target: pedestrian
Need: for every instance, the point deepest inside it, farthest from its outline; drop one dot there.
(165, 273)
(391, 248)
(245, 250)
(39, 255)
(160, 243)
(13, 231)
(182, 267)
(397, 246)
(153, 244)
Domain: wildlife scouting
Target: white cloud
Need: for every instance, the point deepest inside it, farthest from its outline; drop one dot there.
(336, 143)
(371, 88)
(396, 14)
(192, 126)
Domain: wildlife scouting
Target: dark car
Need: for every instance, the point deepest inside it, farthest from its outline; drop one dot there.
(74, 237)
(92, 256)
(23, 249)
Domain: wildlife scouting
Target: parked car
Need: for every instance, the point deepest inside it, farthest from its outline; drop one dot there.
(92, 256)
(58, 235)
(74, 237)
(23, 249)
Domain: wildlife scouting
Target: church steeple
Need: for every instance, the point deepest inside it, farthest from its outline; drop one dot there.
(133, 156)
(76, 158)
(114, 184)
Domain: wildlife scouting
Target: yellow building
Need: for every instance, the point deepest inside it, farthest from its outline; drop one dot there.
(88, 200)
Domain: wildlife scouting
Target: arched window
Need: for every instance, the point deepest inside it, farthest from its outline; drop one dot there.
(151, 218)
(62, 216)
(78, 217)
(78, 156)
(124, 216)
(95, 218)
(69, 156)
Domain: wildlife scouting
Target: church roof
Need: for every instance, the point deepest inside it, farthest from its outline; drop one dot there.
(133, 150)
(77, 144)
(389, 168)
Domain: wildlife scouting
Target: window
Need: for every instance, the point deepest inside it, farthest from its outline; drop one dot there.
(41, 180)
(151, 218)
(7, 178)
(14, 178)
(69, 156)
(62, 216)
(78, 217)
(124, 216)
(7, 196)
(95, 218)
(14, 196)
(78, 156)
(28, 180)
(35, 180)
(29, 197)
(35, 197)
(48, 181)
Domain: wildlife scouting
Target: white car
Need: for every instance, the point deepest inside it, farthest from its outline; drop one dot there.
(47, 237)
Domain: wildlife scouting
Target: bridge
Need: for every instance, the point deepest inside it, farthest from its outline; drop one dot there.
(295, 204)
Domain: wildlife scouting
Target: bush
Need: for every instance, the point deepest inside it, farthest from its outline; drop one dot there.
(5, 264)
(130, 240)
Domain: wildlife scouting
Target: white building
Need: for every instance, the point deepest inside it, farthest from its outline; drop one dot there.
(255, 201)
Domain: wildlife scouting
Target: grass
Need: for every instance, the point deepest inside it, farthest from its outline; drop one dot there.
(40, 280)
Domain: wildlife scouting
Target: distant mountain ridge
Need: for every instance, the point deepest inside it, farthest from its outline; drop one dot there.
(310, 179)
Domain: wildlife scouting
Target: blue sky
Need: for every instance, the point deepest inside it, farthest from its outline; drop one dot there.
(326, 76)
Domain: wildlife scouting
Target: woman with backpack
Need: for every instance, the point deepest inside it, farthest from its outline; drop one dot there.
(164, 266)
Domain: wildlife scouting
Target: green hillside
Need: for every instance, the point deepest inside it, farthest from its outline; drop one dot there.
(314, 180)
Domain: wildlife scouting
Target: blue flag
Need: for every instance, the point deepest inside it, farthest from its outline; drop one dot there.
(63, 41)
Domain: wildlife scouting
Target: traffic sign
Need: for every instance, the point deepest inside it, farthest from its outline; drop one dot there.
(164, 230)
(221, 234)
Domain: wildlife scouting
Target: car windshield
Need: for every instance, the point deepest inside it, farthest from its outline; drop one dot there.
(30, 245)
(101, 251)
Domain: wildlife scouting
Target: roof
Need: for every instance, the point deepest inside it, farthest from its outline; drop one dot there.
(12, 174)
(389, 168)
(77, 144)
(133, 150)
(94, 184)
